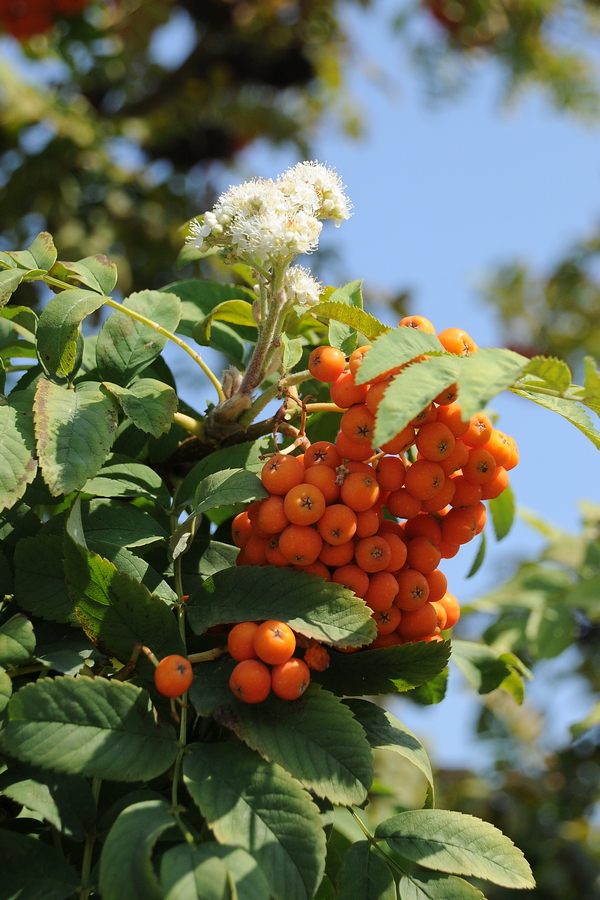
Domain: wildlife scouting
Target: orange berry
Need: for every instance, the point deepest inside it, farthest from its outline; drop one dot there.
(352, 466)
(271, 515)
(344, 391)
(337, 525)
(387, 620)
(457, 459)
(240, 641)
(418, 322)
(281, 473)
(422, 555)
(255, 551)
(419, 623)
(441, 499)
(355, 450)
(358, 424)
(360, 491)
(460, 525)
(427, 415)
(457, 341)
(435, 441)
(290, 679)
(441, 614)
(352, 577)
(367, 522)
(451, 416)
(274, 555)
(382, 590)
(402, 504)
(326, 363)
(274, 642)
(397, 549)
(481, 513)
(496, 485)
(390, 473)
(424, 479)
(447, 396)
(499, 446)
(479, 431)
(514, 459)
(425, 526)
(316, 657)
(438, 585)
(356, 358)
(448, 548)
(392, 527)
(322, 453)
(375, 395)
(241, 529)
(173, 675)
(466, 493)
(304, 504)
(339, 555)
(373, 554)
(385, 640)
(325, 479)
(300, 544)
(413, 589)
(250, 681)
(401, 442)
(316, 568)
(452, 607)
(480, 466)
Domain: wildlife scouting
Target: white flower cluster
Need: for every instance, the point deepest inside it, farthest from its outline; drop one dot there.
(300, 285)
(274, 221)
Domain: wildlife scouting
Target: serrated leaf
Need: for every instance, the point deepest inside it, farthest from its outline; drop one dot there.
(126, 870)
(364, 875)
(117, 611)
(395, 348)
(482, 666)
(260, 807)
(432, 886)
(411, 391)
(243, 456)
(10, 279)
(316, 739)
(503, 510)
(31, 870)
(226, 488)
(485, 374)
(120, 523)
(96, 272)
(58, 328)
(40, 586)
(149, 404)
(65, 801)
(5, 689)
(125, 477)
(479, 557)
(236, 312)
(125, 346)
(350, 315)
(311, 606)
(387, 671)
(18, 464)
(385, 732)
(569, 409)
(17, 641)
(137, 568)
(456, 843)
(74, 431)
(191, 872)
(547, 371)
(90, 727)
(292, 352)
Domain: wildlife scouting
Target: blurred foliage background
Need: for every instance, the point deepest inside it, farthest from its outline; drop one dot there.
(113, 116)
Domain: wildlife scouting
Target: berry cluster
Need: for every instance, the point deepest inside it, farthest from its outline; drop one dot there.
(325, 510)
(255, 647)
(24, 18)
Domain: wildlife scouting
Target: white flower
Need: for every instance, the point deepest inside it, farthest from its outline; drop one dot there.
(300, 284)
(332, 203)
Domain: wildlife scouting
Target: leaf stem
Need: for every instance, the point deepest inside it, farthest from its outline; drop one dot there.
(271, 393)
(375, 844)
(550, 392)
(193, 426)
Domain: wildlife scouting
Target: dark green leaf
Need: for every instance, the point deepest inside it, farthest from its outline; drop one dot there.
(456, 843)
(387, 671)
(10, 279)
(191, 872)
(96, 272)
(120, 523)
(43, 251)
(480, 664)
(40, 585)
(65, 801)
(5, 689)
(74, 431)
(149, 404)
(310, 605)
(31, 870)
(502, 509)
(242, 456)
(226, 488)
(125, 477)
(126, 870)
(432, 691)
(432, 886)
(18, 464)
(260, 807)
(130, 564)
(364, 875)
(199, 298)
(249, 881)
(58, 328)
(17, 641)
(125, 346)
(90, 727)
(479, 557)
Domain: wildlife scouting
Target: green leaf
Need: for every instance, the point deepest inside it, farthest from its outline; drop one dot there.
(260, 807)
(292, 352)
(74, 430)
(313, 607)
(456, 843)
(40, 585)
(395, 348)
(316, 739)
(125, 346)
(547, 371)
(130, 564)
(17, 641)
(43, 251)
(199, 298)
(591, 384)
(120, 523)
(191, 872)
(5, 689)
(125, 477)
(242, 456)
(479, 558)
(342, 336)
(569, 409)
(65, 801)
(226, 488)
(59, 328)
(485, 374)
(237, 312)
(350, 315)
(18, 464)
(502, 509)
(432, 886)
(411, 391)
(126, 870)
(216, 557)
(90, 727)
(23, 320)
(31, 870)
(10, 279)
(387, 671)
(481, 665)
(149, 404)
(117, 611)
(364, 875)
(95, 272)
(432, 691)
(385, 732)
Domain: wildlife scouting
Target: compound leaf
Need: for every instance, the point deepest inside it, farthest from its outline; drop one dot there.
(433, 886)
(31, 870)
(59, 327)
(397, 347)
